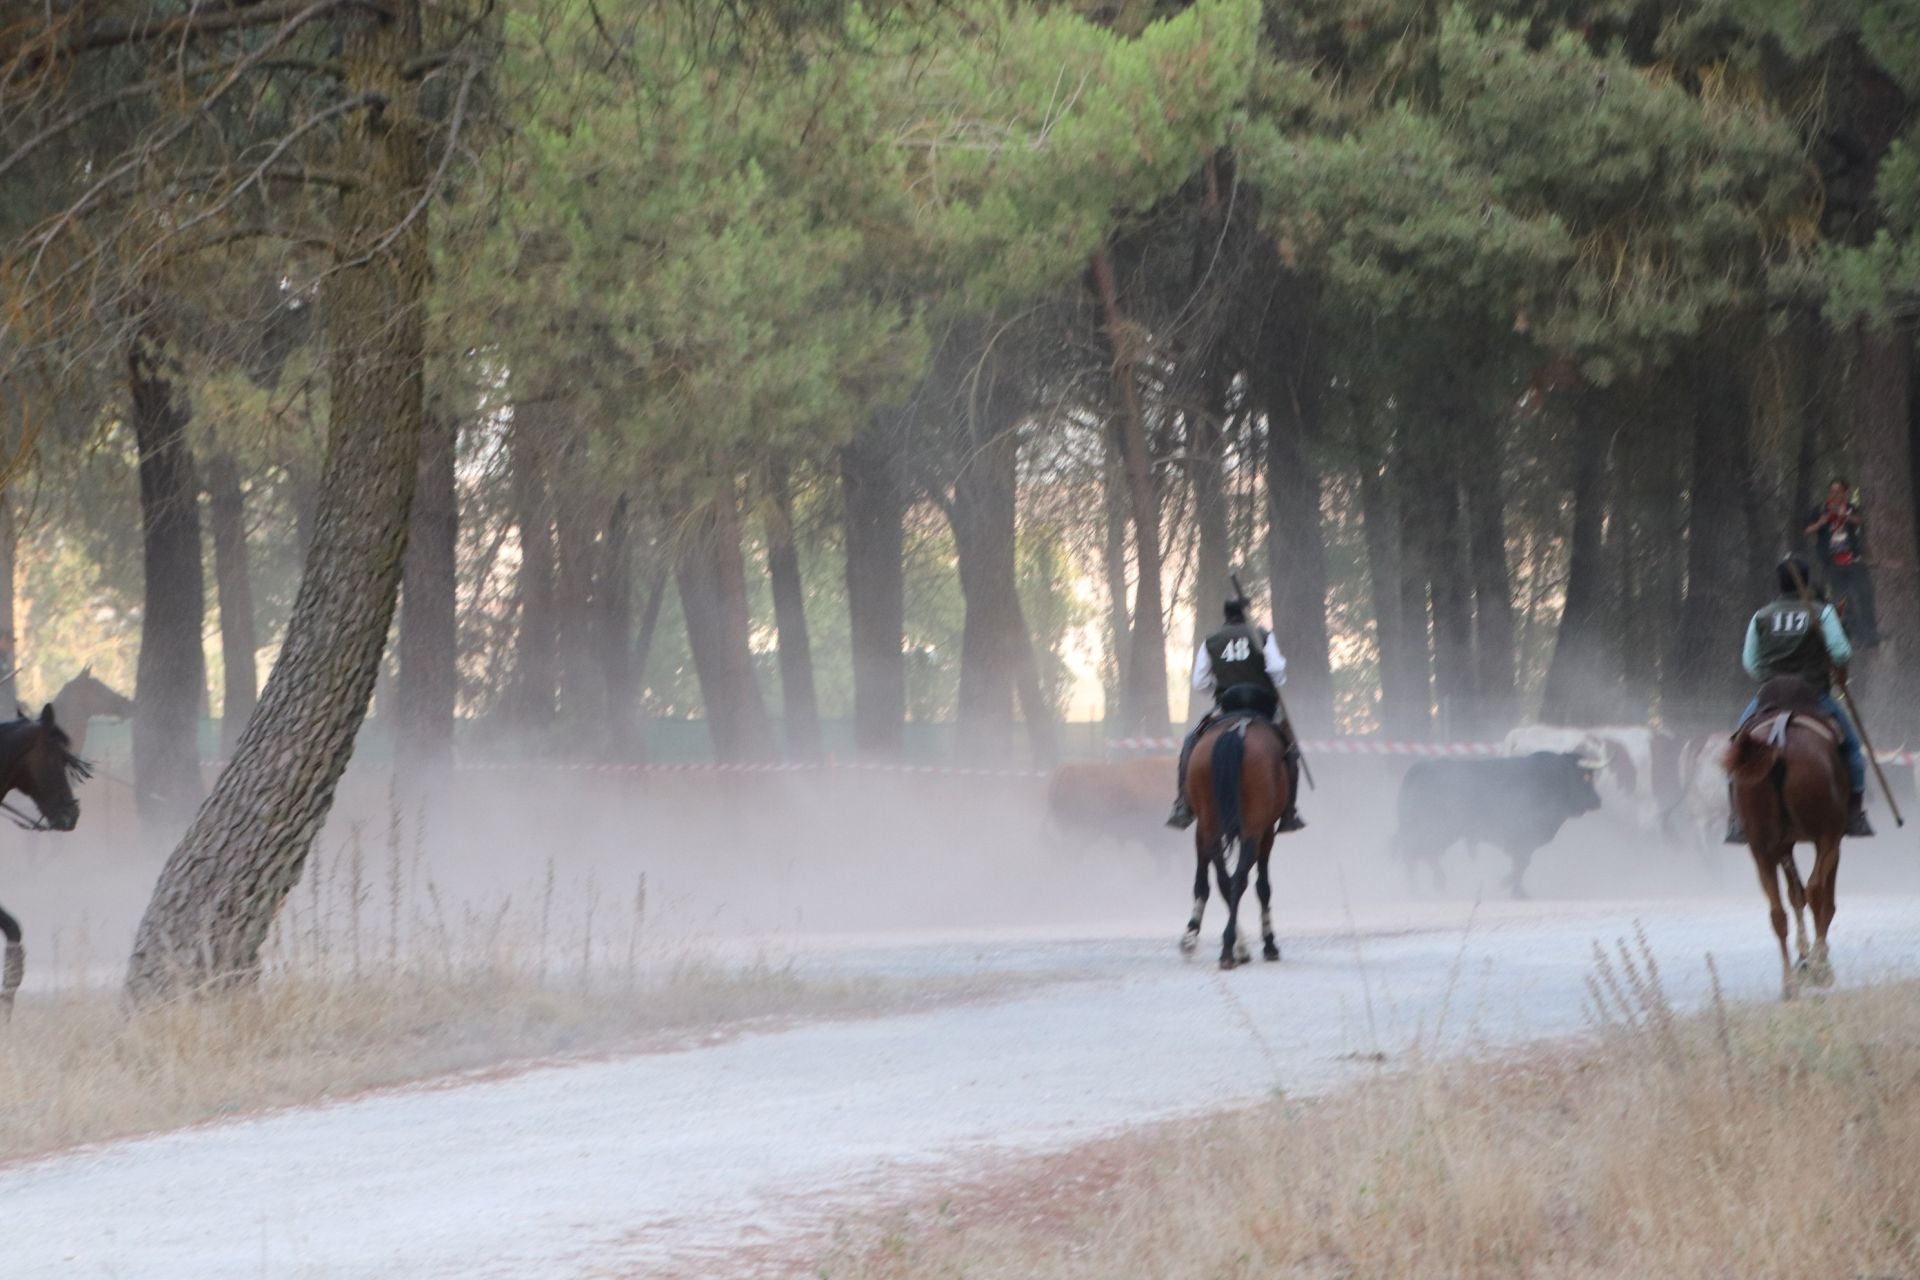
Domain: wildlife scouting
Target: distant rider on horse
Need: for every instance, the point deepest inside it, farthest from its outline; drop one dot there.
(1798, 635)
(1241, 665)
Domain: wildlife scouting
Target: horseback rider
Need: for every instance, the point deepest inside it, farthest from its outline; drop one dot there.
(1798, 635)
(1241, 665)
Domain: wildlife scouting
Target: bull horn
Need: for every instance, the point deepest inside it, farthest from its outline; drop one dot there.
(1592, 763)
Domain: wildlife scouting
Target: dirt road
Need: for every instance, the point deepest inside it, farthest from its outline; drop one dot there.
(667, 1163)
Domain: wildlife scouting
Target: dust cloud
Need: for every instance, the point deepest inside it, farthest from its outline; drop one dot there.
(588, 865)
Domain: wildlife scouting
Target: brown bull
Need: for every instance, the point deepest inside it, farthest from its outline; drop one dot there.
(1123, 800)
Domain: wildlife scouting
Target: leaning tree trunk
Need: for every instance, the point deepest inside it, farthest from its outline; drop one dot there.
(171, 676)
(875, 500)
(9, 640)
(711, 574)
(1145, 703)
(429, 647)
(1113, 565)
(220, 890)
(233, 585)
(1884, 445)
(800, 705)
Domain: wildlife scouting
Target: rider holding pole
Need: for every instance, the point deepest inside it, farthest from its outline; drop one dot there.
(1798, 635)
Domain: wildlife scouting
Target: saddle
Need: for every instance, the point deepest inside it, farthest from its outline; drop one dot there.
(1770, 726)
(1782, 703)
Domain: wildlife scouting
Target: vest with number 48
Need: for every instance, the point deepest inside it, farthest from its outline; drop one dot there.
(1237, 653)
(1791, 643)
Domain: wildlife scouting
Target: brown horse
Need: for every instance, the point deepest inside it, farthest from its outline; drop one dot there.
(1790, 785)
(81, 699)
(1237, 786)
(36, 761)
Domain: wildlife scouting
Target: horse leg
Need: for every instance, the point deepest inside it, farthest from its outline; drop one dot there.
(14, 967)
(1191, 938)
(1820, 887)
(1269, 949)
(1765, 864)
(1231, 884)
(1797, 899)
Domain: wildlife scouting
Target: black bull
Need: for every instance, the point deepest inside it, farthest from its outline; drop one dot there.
(1517, 804)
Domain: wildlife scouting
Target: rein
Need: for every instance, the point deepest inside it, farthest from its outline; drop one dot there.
(23, 820)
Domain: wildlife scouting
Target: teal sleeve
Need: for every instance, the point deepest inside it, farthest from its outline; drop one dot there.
(1839, 648)
(1750, 655)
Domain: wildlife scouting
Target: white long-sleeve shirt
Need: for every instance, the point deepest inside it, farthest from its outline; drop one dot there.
(1203, 665)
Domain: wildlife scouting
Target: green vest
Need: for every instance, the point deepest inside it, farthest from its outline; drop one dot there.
(1237, 652)
(1791, 643)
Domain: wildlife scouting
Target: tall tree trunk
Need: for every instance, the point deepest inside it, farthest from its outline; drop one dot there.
(171, 675)
(1113, 563)
(1402, 708)
(658, 579)
(800, 705)
(233, 585)
(713, 595)
(428, 688)
(221, 888)
(1145, 704)
(1451, 592)
(1416, 654)
(1287, 382)
(1578, 679)
(1720, 592)
(875, 498)
(1883, 442)
(982, 514)
(613, 630)
(1493, 633)
(9, 637)
(1214, 562)
(583, 691)
(535, 677)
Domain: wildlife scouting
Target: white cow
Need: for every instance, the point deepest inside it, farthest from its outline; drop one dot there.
(1641, 778)
(1701, 810)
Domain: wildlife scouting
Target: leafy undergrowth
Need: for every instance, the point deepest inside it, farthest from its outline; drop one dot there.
(1745, 1142)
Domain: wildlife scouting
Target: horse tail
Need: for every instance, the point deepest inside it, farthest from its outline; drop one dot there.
(1229, 752)
(1748, 760)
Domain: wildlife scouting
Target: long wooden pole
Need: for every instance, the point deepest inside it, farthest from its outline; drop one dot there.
(1846, 696)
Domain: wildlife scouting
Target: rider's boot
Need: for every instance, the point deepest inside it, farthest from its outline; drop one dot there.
(1736, 834)
(1291, 819)
(1182, 816)
(1857, 824)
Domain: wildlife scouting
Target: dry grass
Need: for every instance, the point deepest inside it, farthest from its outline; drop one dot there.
(1751, 1142)
(373, 979)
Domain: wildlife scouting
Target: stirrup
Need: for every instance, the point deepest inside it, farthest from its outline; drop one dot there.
(1735, 834)
(1857, 824)
(1292, 821)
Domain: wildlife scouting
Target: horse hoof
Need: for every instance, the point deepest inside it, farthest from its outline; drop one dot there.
(1227, 962)
(1242, 956)
(1188, 941)
(1271, 952)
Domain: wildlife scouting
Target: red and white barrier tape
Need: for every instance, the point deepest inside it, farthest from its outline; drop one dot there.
(770, 766)
(1340, 747)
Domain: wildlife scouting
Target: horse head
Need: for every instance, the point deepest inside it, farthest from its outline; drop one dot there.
(39, 763)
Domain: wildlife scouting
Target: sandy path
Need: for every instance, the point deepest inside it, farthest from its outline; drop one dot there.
(652, 1164)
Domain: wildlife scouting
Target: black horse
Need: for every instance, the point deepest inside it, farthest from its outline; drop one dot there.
(37, 760)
